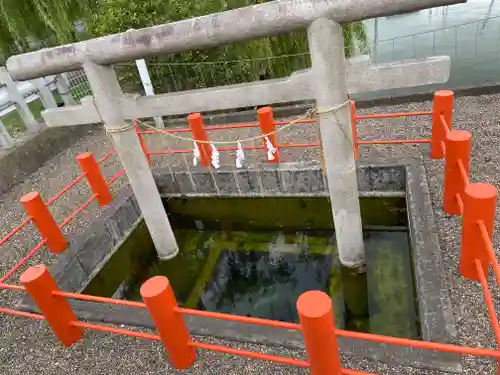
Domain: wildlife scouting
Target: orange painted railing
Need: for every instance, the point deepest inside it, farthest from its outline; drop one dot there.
(269, 125)
(476, 203)
(39, 214)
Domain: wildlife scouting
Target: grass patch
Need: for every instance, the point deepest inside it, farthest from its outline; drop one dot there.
(13, 121)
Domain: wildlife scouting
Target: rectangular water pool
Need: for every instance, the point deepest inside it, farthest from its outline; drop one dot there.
(255, 256)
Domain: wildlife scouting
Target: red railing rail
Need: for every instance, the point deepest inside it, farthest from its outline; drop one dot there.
(441, 115)
(268, 126)
(458, 145)
(355, 140)
(141, 141)
(314, 307)
(476, 202)
(95, 179)
(200, 137)
(39, 214)
(441, 121)
(45, 223)
(464, 350)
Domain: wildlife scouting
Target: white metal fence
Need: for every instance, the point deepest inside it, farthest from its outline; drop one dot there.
(79, 85)
(22, 102)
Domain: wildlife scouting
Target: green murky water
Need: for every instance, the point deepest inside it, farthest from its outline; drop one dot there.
(238, 257)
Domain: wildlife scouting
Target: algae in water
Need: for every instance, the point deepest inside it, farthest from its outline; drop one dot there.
(392, 301)
(250, 264)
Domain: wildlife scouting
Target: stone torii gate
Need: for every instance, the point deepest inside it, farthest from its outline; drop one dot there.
(328, 82)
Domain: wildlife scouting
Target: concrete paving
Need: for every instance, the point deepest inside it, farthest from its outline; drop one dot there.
(28, 347)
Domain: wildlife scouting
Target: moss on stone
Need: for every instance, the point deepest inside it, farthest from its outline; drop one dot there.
(383, 211)
(391, 291)
(355, 289)
(203, 278)
(314, 243)
(252, 225)
(279, 213)
(320, 243)
(182, 271)
(134, 254)
(337, 295)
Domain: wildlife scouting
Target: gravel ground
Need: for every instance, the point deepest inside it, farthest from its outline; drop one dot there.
(23, 352)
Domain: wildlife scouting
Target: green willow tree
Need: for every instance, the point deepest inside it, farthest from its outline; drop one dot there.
(240, 62)
(30, 24)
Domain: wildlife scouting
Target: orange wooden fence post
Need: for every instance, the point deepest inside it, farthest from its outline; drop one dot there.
(162, 306)
(355, 143)
(479, 205)
(199, 134)
(268, 125)
(443, 105)
(45, 223)
(318, 326)
(141, 141)
(458, 146)
(40, 285)
(95, 178)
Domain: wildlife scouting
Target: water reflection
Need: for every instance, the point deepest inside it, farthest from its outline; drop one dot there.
(469, 33)
(262, 273)
(265, 285)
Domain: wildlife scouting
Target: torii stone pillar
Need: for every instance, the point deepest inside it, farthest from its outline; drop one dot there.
(107, 92)
(326, 45)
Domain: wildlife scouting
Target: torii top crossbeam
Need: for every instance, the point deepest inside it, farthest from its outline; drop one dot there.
(252, 22)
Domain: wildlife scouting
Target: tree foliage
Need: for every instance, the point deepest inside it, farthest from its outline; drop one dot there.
(240, 62)
(30, 24)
